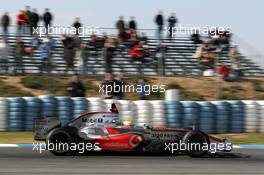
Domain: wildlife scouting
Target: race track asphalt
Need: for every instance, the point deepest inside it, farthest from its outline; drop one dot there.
(22, 161)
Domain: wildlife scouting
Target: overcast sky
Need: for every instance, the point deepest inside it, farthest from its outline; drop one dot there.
(244, 17)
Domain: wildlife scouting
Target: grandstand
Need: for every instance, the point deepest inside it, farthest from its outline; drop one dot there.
(179, 59)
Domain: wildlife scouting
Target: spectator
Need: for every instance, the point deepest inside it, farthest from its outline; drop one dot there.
(120, 25)
(160, 23)
(28, 14)
(224, 71)
(45, 56)
(142, 93)
(81, 56)
(160, 54)
(92, 45)
(19, 52)
(77, 25)
(234, 54)
(35, 42)
(75, 88)
(47, 18)
(237, 71)
(196, 38)
(68, 45)
(119, 82)
(132, 23)
(4, 53)
(109, 48)
(5, 22)
(172, 21)
(21, 20)
(34, 20)
(108, 85)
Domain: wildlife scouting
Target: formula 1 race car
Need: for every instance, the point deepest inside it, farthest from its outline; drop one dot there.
(104, 131)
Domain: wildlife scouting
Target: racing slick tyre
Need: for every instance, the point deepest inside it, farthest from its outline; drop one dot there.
(58, 141)
(194, 141)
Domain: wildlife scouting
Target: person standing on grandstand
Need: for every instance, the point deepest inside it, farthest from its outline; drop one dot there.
(5, 22)
(81, 57)
(119, 82)
(132, 23)
(75, 88)
(19, 52)
(28, 14)
(120, 25)
(160, 54)
(4, 53)
(68, 45)
(34, 19)
(20, 20)
(47, 18)
(159, 21)
(172, 21)
(109, 48)
(45, 56)
(108, 86)
(77, 24)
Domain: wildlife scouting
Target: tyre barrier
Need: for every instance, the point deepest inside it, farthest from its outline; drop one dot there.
(251, 116)
(127, 110)
(158, 113)
(64, 108)
(206, 121)
(80, 105)
(32, 111)
(48, 106)
(173, 114)
(143, 112)
(190, 114)
(16, 113)
(260, 107)
(236, 123)
(96, 104)
(222, 113)
(3, 114)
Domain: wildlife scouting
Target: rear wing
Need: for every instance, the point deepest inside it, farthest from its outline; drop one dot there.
(43, 125)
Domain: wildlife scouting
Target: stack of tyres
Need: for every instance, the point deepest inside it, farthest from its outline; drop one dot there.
(3, 114)
(237, 117)
(260, 105)
(143, 112)
(127, 110)
(32, 111)
(48, 106)
(16, 113)
(96, 104)
(173, 114)
(251, 116)
(158, 117)
(80, 105)
(64, 109)
(222, 113)
(190, 114)
(206, 120)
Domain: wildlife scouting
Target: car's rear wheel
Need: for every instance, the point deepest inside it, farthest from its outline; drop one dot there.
(197, 143)
(59, 141)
